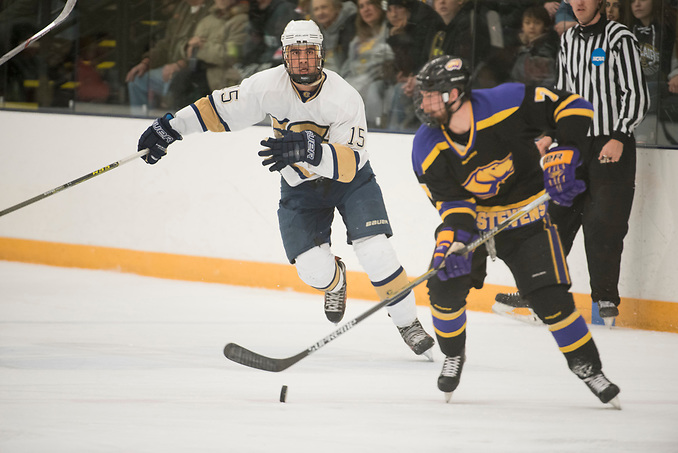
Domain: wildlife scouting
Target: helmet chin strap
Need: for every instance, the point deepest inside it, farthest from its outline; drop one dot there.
(446, 99)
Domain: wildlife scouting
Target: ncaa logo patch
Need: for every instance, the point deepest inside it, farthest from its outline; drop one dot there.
(598, 57)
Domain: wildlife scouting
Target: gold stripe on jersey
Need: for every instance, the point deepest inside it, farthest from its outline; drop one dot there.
(303, 171)
(426, 191)
(462, 152)
(346, 163)
(562, 111)
(457, 209)
(580, 112)
(488, 217)
(433, 155)
(496, 118)
(209, 116)
(570, 99)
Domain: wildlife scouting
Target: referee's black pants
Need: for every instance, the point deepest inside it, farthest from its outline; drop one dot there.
(603, 212)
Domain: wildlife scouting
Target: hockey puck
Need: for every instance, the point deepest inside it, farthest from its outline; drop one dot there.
(283, 393)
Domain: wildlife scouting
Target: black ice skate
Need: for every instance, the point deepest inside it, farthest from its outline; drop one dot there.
(605, 390)
(515, 307)
(451, 374)
(417, 339)
(335, 302)
(608, 311)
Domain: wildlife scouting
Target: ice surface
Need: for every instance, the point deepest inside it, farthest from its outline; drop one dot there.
(94, 361)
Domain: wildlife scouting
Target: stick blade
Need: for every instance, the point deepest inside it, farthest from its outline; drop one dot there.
(244, 356)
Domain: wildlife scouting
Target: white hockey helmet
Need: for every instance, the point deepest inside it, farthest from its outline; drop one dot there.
(303, 33)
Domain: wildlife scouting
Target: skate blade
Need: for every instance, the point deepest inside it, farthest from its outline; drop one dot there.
(428, 354)
(615, 403)
(448, 396)
(609, 322)
(525, 315)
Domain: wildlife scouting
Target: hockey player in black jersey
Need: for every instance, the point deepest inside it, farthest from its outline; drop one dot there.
(476, 158)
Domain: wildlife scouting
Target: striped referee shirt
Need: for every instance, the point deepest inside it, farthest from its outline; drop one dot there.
(601, 63)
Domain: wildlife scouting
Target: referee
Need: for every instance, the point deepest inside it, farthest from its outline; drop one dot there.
(599, 60)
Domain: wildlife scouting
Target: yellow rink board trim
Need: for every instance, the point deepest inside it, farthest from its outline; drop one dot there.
(633, 313)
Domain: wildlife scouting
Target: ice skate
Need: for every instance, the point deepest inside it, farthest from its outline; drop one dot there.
(417, 339)
(335, 301)
(608, 311)
(605, 390)
(511, 299)
(450, 375)
(511, 305)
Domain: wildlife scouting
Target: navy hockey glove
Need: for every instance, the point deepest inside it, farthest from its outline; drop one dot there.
(559, 166)
(157, 138)
(455, 265)
(290, 148)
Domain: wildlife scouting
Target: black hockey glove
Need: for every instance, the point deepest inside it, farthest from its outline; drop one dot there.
(157, 138)
(290, 148)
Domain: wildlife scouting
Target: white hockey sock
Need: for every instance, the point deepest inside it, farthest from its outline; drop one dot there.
(379, 260)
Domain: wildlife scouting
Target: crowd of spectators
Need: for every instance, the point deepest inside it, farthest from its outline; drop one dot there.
(376, 45)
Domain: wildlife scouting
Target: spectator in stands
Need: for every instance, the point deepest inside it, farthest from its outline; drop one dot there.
(267, 20)
(669, 111)
(152, 76)
(536, 58)
(212, 51)
(614, 11)
(336, 20)
(369, 65)
(654, 39)
(551, 8)
(150, 80)
(656, 44)
(412, 27)
(304, 9)
(462, 34)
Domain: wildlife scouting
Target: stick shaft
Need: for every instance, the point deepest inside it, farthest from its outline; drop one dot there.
(252, 359)
(70, 4)
(74, 182)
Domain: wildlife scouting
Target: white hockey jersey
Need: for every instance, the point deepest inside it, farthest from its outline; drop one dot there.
(335, 112)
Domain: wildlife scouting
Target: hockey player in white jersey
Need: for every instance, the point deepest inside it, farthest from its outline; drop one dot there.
(318, 147)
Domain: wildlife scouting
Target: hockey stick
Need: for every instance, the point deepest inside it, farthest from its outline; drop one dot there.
(244, 356)
(70, 4)
(141, 153)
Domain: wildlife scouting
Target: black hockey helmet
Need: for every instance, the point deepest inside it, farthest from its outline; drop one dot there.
(441, 74)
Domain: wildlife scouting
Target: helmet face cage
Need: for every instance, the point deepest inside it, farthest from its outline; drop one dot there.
(441, 75)
(296, 39)
(295, 52)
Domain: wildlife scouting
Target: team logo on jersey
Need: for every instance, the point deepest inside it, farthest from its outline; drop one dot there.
(598, 56)
(484, 182)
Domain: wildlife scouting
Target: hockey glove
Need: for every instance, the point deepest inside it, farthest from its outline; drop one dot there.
(290, 148)
(157, 138)
(455, 265)
(559, 166)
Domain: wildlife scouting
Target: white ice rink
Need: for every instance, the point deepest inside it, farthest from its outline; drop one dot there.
(94, 361)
